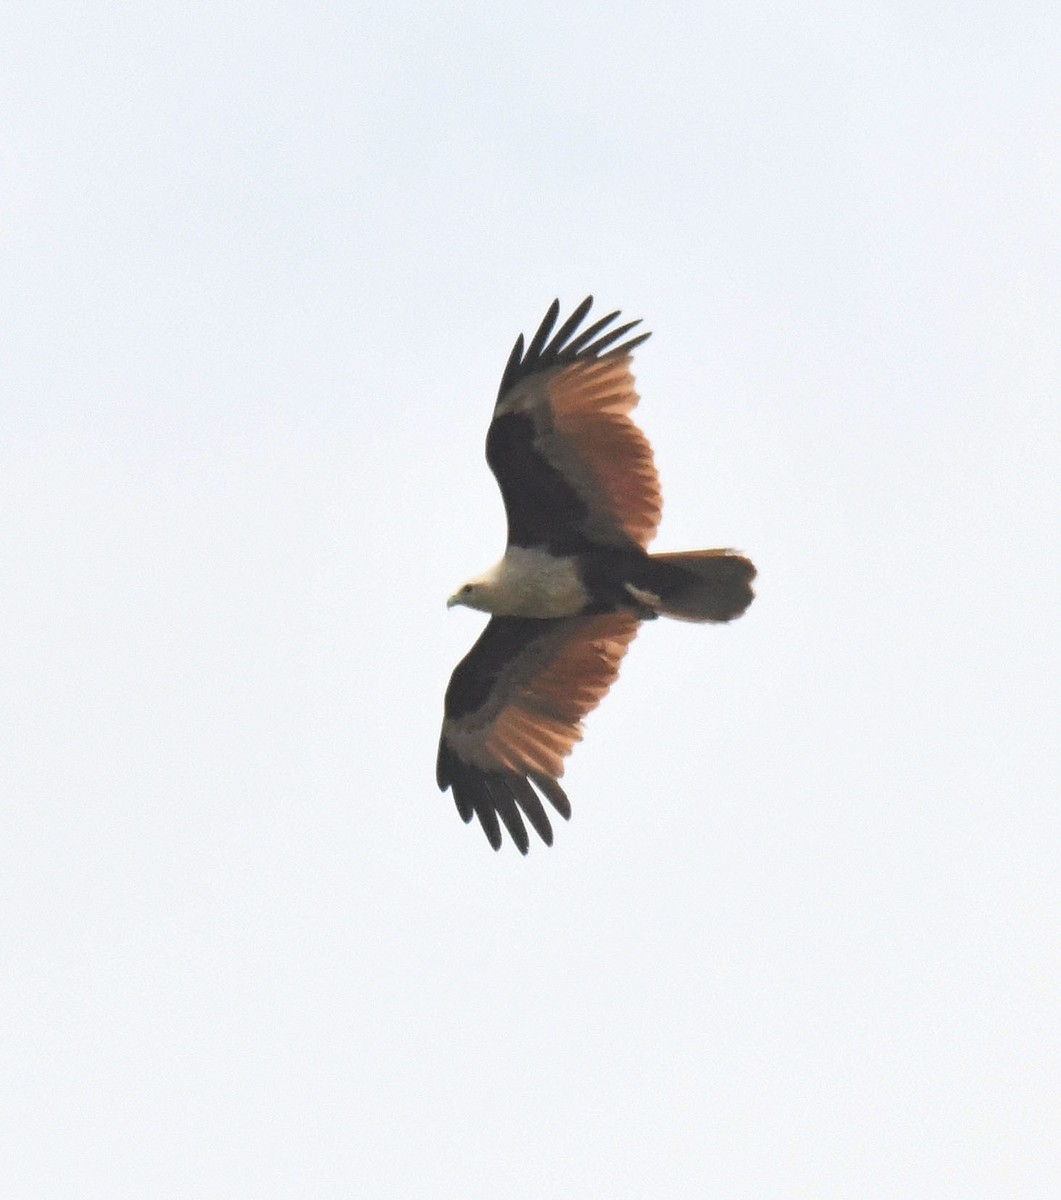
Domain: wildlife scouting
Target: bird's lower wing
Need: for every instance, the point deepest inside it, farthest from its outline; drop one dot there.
(514, 710)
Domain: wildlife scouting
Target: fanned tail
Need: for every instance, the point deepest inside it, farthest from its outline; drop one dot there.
(695, 585)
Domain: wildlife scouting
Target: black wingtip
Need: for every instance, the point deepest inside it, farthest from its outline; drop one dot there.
(565, 331)
(502, 800)
(566, 345)
(544, 329)
(554, 793)
(514, 358)
(490, 825)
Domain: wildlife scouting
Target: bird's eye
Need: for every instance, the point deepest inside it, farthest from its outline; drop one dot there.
(466, 590)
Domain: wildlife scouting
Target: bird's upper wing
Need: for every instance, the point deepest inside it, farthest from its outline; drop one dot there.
(573, 468)
(514, 709)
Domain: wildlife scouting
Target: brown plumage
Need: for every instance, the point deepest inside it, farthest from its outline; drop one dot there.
(582, 428)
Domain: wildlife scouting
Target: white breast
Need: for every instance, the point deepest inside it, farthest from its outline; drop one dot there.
(535, 583)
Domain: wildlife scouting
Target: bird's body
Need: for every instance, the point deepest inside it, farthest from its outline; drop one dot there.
(582, 500)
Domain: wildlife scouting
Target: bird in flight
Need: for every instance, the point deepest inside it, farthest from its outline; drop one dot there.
(582, 500)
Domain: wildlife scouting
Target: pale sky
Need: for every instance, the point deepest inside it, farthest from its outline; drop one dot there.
(261, 270)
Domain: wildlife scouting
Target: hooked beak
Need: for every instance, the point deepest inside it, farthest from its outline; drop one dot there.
(452, 600)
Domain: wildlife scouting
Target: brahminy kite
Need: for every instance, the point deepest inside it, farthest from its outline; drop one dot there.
(582, 500)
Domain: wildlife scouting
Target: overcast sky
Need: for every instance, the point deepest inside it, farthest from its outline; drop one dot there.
(261, 269)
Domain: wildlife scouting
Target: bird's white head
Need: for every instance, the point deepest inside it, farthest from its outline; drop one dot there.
(473, 594)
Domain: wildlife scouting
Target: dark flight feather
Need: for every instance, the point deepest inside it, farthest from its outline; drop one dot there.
(542, 354)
